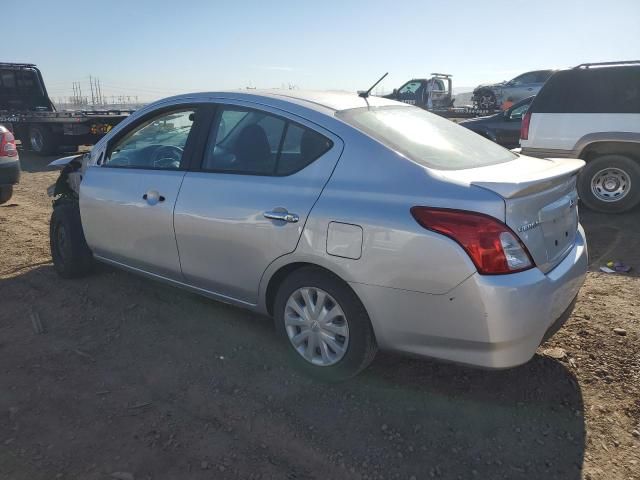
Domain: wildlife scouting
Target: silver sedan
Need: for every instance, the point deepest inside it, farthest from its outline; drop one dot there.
(356, 223)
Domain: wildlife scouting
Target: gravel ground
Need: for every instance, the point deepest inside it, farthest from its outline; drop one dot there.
(132, 379)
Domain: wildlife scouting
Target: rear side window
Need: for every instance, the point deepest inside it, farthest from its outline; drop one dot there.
(426, 138)
(593, 90)
(253, 142)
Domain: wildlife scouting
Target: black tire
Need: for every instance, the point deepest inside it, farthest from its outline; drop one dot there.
(361, 348)
(486, 100)
(42, 140)
(6, 192)
(69, 250)
(594, 170)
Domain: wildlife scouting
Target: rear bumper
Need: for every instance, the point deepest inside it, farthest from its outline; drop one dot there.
(9, 171)
(487, 321)
(548, 153)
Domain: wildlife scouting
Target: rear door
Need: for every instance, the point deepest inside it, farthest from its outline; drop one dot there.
(521, 87)
(127, 201)
(247, 202)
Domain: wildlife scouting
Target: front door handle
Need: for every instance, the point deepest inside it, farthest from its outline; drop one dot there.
(282, 215)
(152, 197)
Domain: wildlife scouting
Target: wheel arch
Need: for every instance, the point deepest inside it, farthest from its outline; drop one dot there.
(608, 143)
(275, 275)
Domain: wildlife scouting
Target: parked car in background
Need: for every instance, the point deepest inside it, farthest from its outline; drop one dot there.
(356, 223)
(491, 97)
(503, 127)
(592, 112)
(9, 164)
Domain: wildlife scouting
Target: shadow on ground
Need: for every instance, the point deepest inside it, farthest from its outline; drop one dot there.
(134, 376)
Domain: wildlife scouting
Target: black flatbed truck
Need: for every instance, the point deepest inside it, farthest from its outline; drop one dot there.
(27, 110)
(435, 94)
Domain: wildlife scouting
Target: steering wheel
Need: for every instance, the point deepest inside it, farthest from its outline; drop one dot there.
(167, 156)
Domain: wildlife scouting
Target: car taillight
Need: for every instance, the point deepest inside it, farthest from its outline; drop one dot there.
(492, 246)
(524, 127)
(8, 145)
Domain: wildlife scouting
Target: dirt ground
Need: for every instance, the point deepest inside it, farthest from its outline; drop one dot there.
(134, 379)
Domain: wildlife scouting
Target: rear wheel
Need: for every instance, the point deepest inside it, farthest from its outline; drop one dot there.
(6, 191)
(610, 184)
(42, 140)
(69, 250)
(324, 324)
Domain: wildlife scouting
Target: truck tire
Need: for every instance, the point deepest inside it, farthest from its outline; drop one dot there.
(6, 191)
(610, 184)
(69, 250)
(42, 140)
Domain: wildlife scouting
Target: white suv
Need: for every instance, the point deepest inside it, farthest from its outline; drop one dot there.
(592, 112)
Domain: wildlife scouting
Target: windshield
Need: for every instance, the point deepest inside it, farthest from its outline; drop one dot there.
(426, 138)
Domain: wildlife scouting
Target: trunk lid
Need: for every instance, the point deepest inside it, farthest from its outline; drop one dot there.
(540, 202)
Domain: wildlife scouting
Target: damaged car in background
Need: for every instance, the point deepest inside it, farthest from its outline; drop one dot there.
(492, 97)
(357, 223)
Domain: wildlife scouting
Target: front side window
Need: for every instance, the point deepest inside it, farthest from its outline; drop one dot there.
(426, 138)
(411, 87)
(157, 143)
(257, 143)
(518, 112)
(543, 75)
(523, 79)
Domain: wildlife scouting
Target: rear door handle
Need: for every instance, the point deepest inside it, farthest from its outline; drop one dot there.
(284, 215)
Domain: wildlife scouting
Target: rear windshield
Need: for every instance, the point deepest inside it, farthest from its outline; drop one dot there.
(426, 138)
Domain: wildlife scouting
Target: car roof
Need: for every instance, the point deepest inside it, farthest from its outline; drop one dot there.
(322, 101)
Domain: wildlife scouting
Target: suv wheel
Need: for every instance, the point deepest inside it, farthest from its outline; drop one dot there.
(324, 324)
(69, 250)
(610, 184)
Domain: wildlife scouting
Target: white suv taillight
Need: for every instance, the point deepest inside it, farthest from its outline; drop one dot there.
(8, 145)
(491, 245)
(524, 126)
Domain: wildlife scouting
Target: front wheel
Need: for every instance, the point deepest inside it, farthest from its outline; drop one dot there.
(69, 250)
(6, 192)
(610, 184)
(486, 100)
(324, 324)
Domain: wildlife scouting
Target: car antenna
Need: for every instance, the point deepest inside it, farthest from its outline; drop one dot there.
(366, 94)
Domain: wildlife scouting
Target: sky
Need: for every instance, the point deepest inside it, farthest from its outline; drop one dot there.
(153, 49)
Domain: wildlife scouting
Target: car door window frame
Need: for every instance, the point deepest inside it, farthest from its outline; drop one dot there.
(211, 133)
(202, 113)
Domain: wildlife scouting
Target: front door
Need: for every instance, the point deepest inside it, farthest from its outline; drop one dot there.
(127, 200)
(248, 202)
(413, 93)
(508, 129)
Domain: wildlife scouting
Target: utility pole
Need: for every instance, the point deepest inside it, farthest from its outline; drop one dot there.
(93, 98)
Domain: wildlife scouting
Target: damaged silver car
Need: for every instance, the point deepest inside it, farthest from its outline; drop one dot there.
(356, 222)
